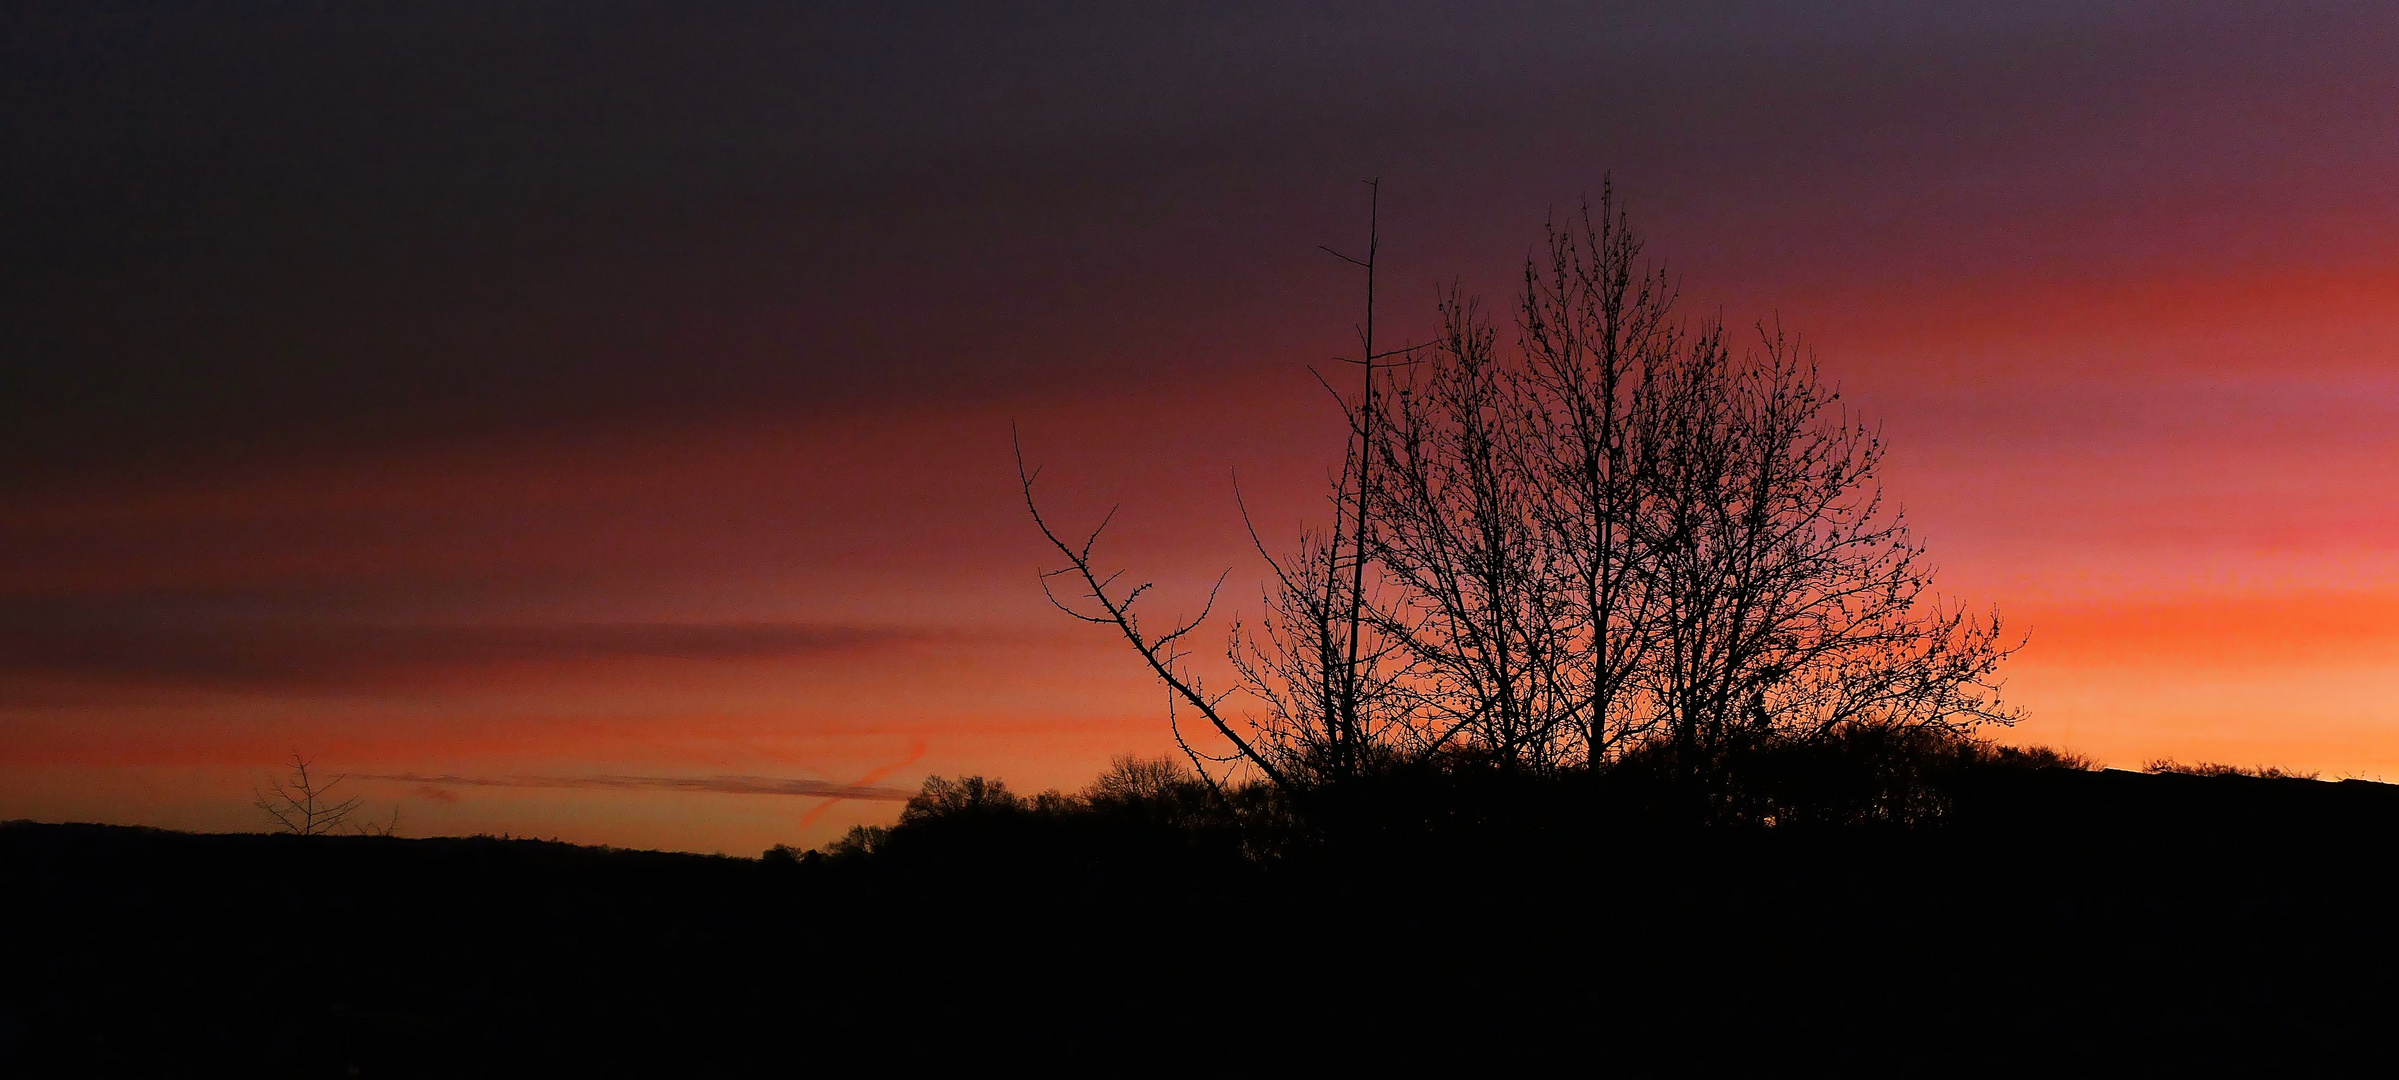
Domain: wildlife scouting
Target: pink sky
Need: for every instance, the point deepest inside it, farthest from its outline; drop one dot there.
(2199, 540)
(662, 484)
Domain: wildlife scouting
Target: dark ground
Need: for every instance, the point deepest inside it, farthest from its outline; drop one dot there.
(2063, 921)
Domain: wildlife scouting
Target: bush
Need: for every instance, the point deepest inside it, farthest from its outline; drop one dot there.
(967, 796)
(862, 840)
(2169, 766)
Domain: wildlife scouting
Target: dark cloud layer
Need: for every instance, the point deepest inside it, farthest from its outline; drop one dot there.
(264, 229)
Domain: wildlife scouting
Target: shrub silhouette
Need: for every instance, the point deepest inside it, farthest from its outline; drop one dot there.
(860, 842)
(967, 797)
(2169, 766)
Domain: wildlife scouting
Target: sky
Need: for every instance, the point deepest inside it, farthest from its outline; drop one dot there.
(593, 420)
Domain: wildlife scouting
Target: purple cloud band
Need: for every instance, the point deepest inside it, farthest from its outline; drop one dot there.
(241, 653)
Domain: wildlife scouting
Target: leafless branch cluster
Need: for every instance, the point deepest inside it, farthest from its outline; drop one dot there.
(1623, 535)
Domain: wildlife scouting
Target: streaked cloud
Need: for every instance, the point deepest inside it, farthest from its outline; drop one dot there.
(726, 785)
(640, 402)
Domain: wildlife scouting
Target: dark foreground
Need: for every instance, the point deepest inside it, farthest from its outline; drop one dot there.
(2063, 921)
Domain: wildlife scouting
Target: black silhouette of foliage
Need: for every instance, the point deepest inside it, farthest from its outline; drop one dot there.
(1880, 776)
(860, 840)
(1154, 794)
(1159, 791)
(2141, 923)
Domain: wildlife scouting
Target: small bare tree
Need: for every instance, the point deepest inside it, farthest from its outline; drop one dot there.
(387, 827)
(301, 806)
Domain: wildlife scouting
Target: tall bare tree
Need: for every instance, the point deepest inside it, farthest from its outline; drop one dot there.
(1513, 500)
(1595, 322)
(1476, 604)
(1623, 534)
(1629, 532)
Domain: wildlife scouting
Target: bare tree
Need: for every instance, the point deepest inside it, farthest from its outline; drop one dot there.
(1512, 501)
(1513, 498)
(1354, 683)
(1622, 535)
(1595, 323)
(301, 806)
(1478, 609)
(1629, 532)
(387, 827)
(1791, 600)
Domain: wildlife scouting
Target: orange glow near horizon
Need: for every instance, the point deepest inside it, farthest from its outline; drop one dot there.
(2212, 585)
(548, 396)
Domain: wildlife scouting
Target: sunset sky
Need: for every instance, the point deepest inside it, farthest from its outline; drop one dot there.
(538, 410)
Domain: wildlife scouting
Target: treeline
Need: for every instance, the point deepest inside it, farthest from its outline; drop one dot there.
(1618, 543)
(1863, 780)
(2134, 923)
(1862, 776)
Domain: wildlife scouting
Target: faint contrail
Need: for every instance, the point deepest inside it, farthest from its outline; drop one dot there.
(734, 785)
(872, 775)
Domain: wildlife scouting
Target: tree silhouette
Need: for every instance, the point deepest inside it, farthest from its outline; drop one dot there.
(301, 806)
(1789, 599)
(1477, 603)
(1593, 320)
(1623, 536)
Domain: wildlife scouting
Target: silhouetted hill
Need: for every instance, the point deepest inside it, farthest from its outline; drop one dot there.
(2056, 920)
